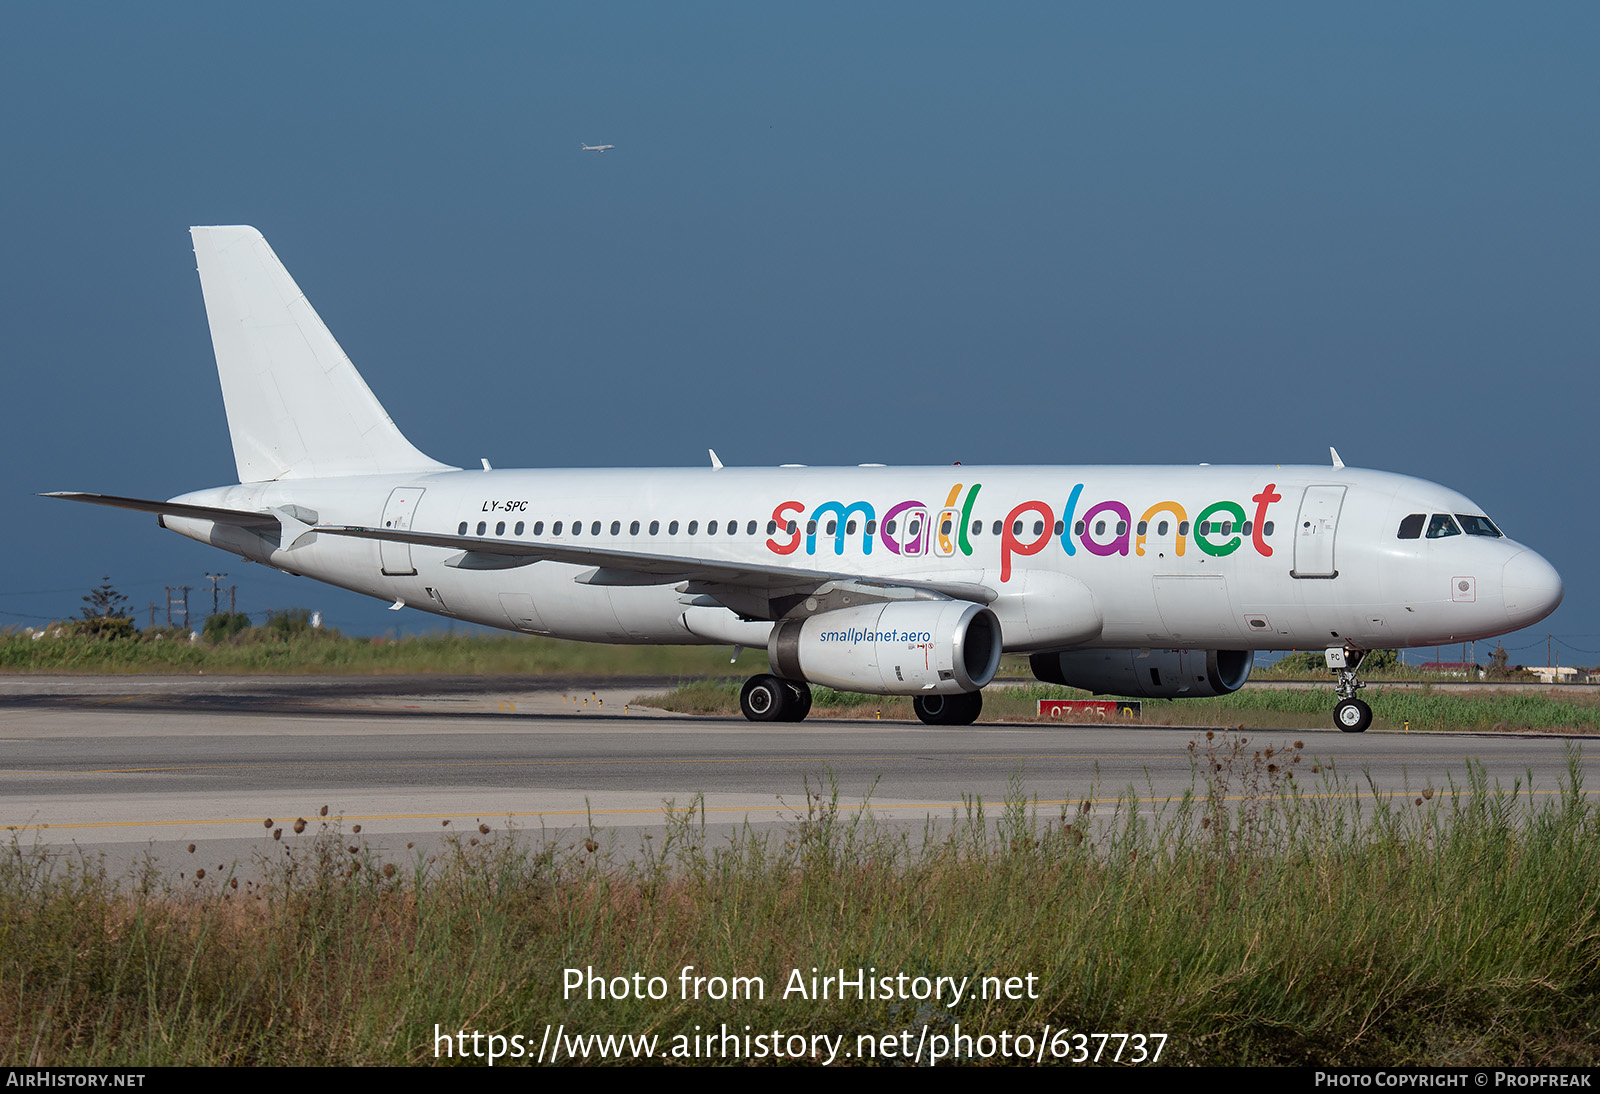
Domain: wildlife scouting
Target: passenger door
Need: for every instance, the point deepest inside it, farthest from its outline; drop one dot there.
(398, 512)
(1314, 532)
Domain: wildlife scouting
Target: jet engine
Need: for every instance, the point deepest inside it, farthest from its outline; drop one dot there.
(925, 647)
(1147, 674)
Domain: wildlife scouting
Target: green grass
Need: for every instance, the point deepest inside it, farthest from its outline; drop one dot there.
(262, 651)
(1252, 922)
(1284, 708)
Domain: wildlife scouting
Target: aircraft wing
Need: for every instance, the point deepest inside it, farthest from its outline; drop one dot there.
(711, 576)
(241, 518)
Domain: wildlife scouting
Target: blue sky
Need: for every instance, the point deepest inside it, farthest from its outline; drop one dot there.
(908, 233)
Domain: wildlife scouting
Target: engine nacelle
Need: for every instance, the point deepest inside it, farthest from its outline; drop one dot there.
(1147, 674)
(924, 647)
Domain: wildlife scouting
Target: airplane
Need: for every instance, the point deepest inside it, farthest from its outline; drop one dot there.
(1132, 580)
(595, 147)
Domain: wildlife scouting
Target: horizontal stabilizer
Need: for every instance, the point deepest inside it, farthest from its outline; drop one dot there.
(239, 518)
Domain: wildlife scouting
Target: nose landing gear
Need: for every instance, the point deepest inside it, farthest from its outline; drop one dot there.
(1351, 714)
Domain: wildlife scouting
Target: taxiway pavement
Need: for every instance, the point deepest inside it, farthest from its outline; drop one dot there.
(137, 767)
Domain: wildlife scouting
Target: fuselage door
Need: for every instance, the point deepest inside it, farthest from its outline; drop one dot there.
(1314, 532)
(397, 514)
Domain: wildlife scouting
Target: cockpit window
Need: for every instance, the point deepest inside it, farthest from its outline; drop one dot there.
(1411, 527)
(1478, 526)
(1442, 525)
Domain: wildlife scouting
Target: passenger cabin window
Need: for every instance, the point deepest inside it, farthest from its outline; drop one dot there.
(594, 529)
(772, 527)
(462, 530)
(538, 527)
(519, 528)
(672, 529)
(500, 528)
(616, 527)
(1442, 525)
(1411, 527)
(1478, 526)
(482, 527)
(655, 527)
(711, 528)
(633, 529)
(750, 528)
(555, 529)
(694, 526)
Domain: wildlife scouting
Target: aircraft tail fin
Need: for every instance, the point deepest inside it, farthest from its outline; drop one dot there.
(297, 407)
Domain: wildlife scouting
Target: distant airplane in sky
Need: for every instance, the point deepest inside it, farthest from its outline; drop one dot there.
(1140, 581)
(596, 147)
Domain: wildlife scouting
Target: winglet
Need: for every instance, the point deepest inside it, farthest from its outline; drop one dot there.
(1338, 464)
(716, 464)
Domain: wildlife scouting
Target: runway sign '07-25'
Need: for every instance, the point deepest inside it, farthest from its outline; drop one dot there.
(1101, 710)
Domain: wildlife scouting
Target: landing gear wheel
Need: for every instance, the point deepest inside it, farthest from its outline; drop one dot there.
(765, 698)
(1352, 716)
(799, 704)
(949, 710)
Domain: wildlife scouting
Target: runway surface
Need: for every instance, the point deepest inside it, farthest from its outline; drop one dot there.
(130, 766)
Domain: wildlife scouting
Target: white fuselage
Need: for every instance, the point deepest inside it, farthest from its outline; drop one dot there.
(1124, 557)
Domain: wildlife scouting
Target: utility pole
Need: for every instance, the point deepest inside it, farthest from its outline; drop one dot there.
(214, 578)
(182, 602)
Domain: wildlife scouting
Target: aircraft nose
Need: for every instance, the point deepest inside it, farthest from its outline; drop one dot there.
(1532, 587)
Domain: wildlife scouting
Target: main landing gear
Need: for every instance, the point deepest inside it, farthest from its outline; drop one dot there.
(767, 698)
(949, 710)
(1351, 715)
